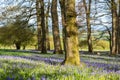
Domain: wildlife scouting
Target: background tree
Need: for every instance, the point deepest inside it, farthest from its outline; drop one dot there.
(44, 48)
(119, 28)
(55, 28)
(114, 27)
(47, 15)
(5, 38)
(38, 14)
(89, 38)
(17, 33)
(63, 15)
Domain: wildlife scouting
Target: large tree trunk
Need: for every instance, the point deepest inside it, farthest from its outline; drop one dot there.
(38, 24)
(114, 28)
(47, 29)
(44, 50)
(89, 38)
(72, 48)
(55, 28)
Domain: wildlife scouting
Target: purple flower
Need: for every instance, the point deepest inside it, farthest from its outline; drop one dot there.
(43, 77)
(8, 78)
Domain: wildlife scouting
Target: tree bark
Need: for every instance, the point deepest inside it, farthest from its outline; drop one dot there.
(72, 48)
(62, 5)
(38, 24)
(43, 50)
(109, 38)
(55, 28)
(18, 45)
(47, 29)
(114, 28)
(89, 38)
(119, 29)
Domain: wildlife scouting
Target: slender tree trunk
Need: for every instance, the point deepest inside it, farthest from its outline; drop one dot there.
(72, 48)
(18, 45)
(119, 29)
(23, 46)
(38, 24)
(89, 38)
(117, 26)
(62, 5)
(110, 41)
(63, 14)
(55, 28)
(47, 35)
(47, 29)
(114, 28)
(44, 50)
(110, 38)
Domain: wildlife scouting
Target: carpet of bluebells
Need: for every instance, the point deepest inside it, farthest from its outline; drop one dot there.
(34, 66)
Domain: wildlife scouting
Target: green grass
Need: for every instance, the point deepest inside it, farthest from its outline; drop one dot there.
(9, 52)
(26, 69)
(90, 57)
(14, 53)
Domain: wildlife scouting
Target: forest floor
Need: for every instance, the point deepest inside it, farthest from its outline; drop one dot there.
(97, 56)
(99, 60)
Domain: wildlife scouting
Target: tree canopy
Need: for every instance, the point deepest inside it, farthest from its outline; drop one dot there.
(18, 33)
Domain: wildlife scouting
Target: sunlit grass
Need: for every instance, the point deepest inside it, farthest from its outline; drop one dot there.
(23, 69)
(3, 52)
(36, 66)
(28, 53)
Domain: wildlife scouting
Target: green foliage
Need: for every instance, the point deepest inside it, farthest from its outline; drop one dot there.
(18, 33)
(5, 52)
(83, 44)
(97, 45)
(101, 44)
(5, 36)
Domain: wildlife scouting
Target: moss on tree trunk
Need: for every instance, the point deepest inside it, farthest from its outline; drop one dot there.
(72, 48)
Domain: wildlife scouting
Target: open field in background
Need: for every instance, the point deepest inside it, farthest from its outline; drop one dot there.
(31, 65)
(99, 45)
